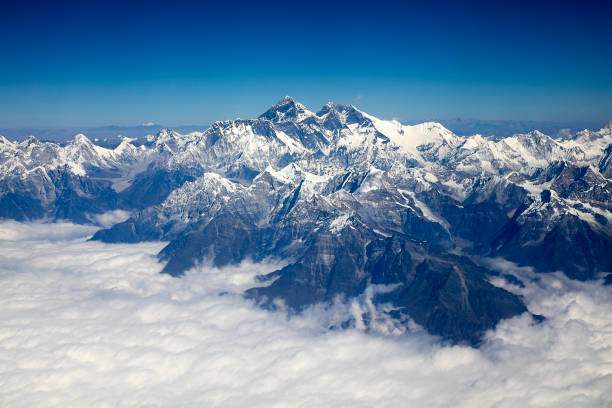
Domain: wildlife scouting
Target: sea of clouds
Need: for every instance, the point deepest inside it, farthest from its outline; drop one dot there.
(86, 324)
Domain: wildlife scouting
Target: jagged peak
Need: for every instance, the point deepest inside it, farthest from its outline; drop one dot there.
(537, 133)
(167, 133)
(532, 133)
(286, 109)
(4, 140)
(80, 138)
(337, 108)
(286, 99)
(534, 136)
(30, 140)
(335, 114)
(587, 134)
(125, 144)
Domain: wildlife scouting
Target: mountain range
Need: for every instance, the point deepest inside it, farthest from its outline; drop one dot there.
(346, 201)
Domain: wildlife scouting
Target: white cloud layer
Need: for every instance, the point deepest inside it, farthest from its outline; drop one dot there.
(86, 324)
(110, 218)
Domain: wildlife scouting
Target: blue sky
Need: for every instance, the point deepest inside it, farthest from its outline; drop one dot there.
(193, 62)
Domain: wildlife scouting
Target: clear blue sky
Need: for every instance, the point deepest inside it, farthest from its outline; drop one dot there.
(193, 62)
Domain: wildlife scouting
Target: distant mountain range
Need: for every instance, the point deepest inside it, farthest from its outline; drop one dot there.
(347, 199)
(110, 136)
(505, 128)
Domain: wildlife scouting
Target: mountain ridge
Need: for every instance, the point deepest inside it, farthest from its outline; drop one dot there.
(354, 200)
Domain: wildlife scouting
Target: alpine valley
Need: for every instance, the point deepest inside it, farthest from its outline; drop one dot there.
(347, 202)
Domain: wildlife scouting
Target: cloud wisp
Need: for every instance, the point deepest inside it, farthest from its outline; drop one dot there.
(92, 324)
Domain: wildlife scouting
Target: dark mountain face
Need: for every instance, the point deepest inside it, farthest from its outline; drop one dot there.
(349, 200)
(605, 163)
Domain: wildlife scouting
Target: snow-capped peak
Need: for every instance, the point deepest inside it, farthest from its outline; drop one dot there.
(286, 109)
(410, 137)
(31, 140)
(336, 115)
(80, 138)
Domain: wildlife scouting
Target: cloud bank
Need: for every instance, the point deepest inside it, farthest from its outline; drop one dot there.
(92, 324)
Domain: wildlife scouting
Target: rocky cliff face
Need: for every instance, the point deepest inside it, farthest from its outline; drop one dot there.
(350, 199)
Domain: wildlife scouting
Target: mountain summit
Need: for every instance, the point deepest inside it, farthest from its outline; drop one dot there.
(286, 109)
(350, 201)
